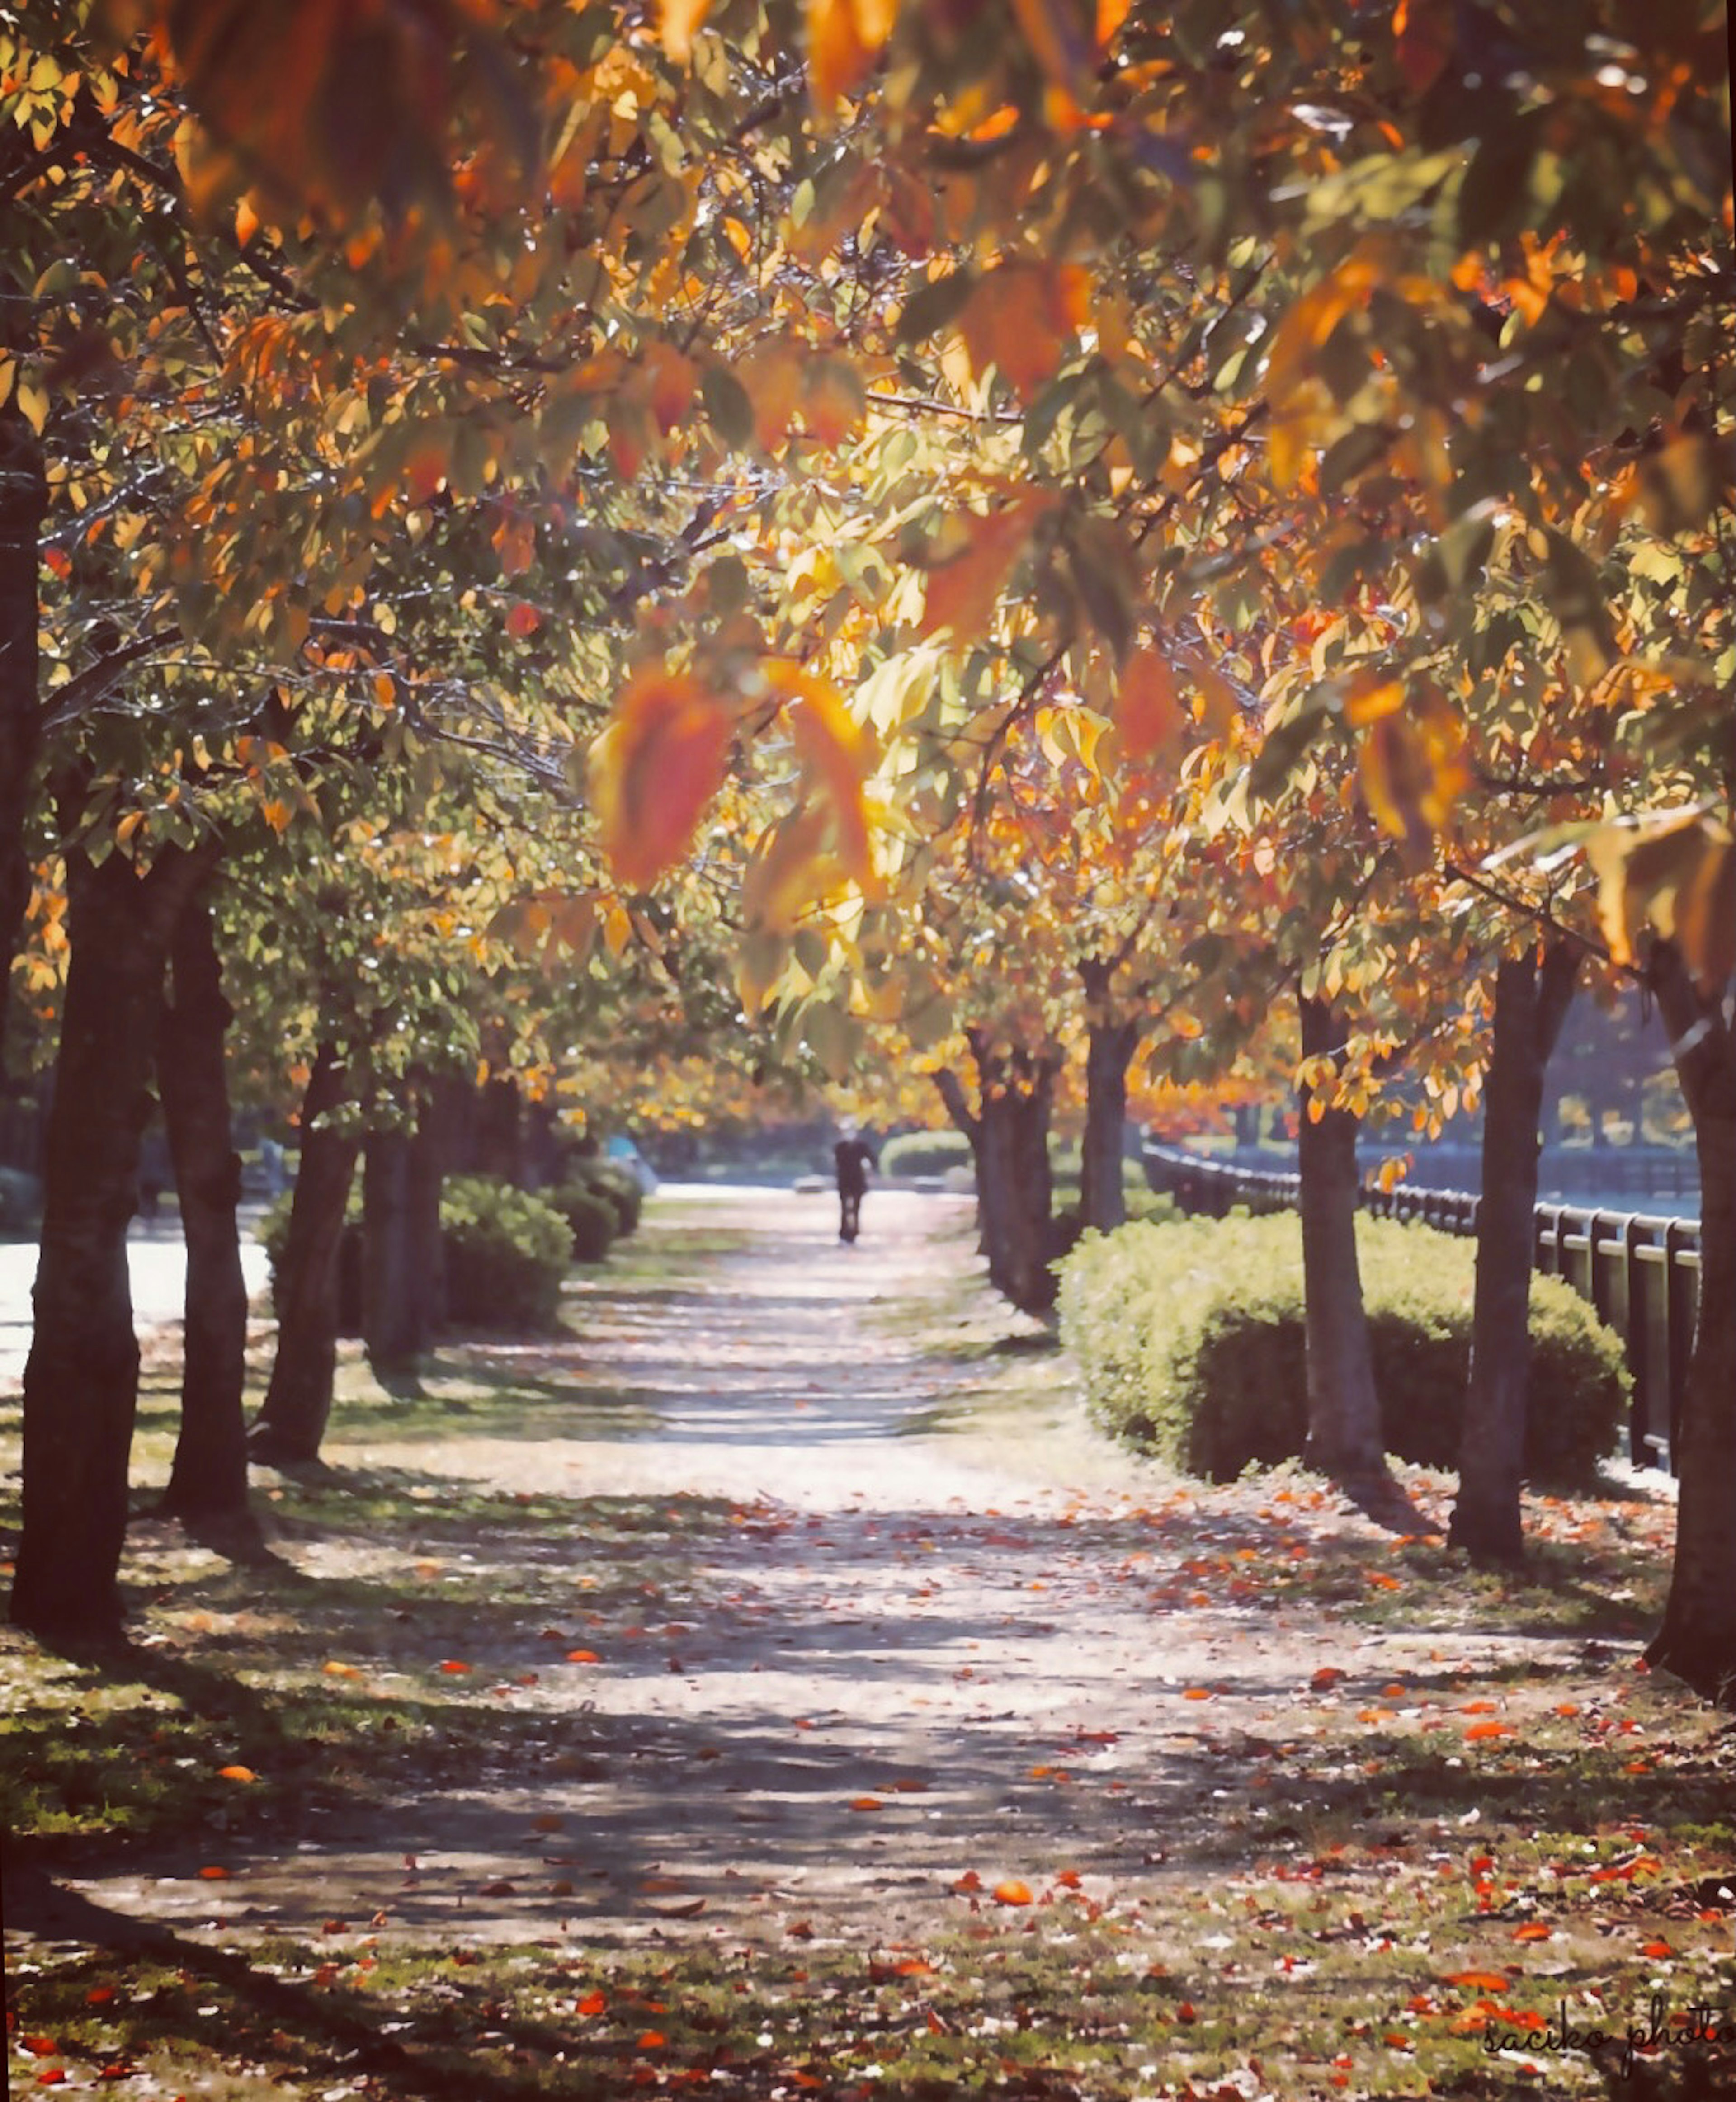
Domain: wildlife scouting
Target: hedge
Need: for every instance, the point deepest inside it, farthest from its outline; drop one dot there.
(1191, 1341)
(617, 1186)
(591, 1217)
(506, 1254)
(21, 1205)
(924, 1153)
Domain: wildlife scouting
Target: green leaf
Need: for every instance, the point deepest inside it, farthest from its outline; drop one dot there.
(726, 403)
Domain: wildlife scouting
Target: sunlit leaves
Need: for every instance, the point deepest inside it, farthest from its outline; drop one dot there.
(1149, 713)
(1675, 872)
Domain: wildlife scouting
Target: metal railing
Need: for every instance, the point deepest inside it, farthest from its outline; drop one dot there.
(1641, 1274)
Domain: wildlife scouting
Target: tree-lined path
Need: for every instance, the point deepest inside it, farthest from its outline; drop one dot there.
(788, 1614)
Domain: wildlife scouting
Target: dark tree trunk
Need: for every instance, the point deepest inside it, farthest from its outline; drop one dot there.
(498, 1140)
(1009, 1135)
(1530, 1006)
(1697, 1639)
(208, 1479)
(297, 1401)
(427, 1176)
(392, 1307)
(1103, 1197)
(23, 499)
(1344, 1430)
(81, 1382)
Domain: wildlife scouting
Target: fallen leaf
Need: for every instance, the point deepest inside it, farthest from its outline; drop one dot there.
(1012, 1892)
(237, 1773)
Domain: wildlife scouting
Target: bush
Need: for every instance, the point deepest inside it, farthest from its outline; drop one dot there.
(615, 1184)
(591, 1216)
(1191, 1340)
(21, 1205)
(506, 1254)
(924, 1153)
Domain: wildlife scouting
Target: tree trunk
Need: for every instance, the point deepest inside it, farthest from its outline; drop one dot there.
(81, 1381)
(208, 1479)
(392, 1307)
(498, 1140)
(1009, 1135)
(1103, 1197)
(297, 1401)
(1530, 1006)
(1344, 1430)
(1697, 1639)
(23, 497)
(427, 1176)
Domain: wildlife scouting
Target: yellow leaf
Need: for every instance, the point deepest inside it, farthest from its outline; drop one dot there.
(681, 18)
(962, 593)
(838, 750)
(1676, 871)
(33, 402)
(1413, 767)
(276, 813)
(656, 768)
(1313, 317)
(786, 875)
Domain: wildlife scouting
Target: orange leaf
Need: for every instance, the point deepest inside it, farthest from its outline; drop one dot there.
(593, 2003)
(214, 1875)
(962, 592)
(652, 2040)
(1148, 711)
(969, 1880)
(523, 620)
(1197, 1693)
(656, 768)
(681, 18)
(1659, 1948)
(1534, 1930)
(455, 1667)
(838, 750)
(1069, 1879)
(1020, 318)
(1479, 1981)
(333, 1669)
(40, 2046)
(867, 1802)
(237, 1773)
(845, 37)
(1328, 1675)
(583, 1657)
(1480, 1732)
(1012, 1892)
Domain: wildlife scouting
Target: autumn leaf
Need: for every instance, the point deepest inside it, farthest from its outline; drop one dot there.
(1148, 711)
(845, 37)
(654, 769)
(681, 19)
(455, 1667)
(1012, 1892)
(1020, 318)
(840, 752)
(1676, 871)
(236, 1774)
(523, 621)
(963, 591)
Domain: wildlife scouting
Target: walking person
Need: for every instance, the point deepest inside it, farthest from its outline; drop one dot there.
(853, 1157)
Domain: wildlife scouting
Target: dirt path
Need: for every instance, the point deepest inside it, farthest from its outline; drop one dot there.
(880, 1655)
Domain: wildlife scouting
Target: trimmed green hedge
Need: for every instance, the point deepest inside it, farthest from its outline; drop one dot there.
(506, 1254)
(1190, 1337)
(21, 1205)
(924, 1153)
(591, 1215)
(617, 1186)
